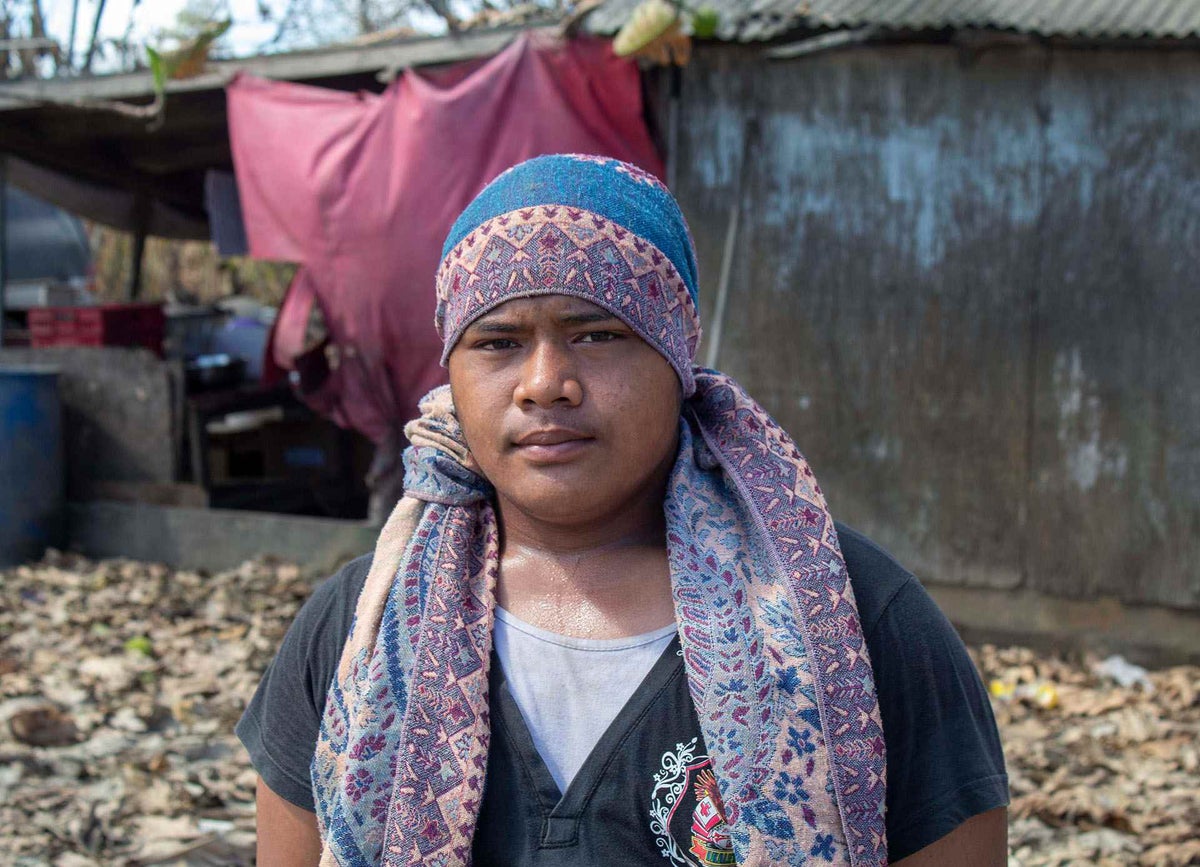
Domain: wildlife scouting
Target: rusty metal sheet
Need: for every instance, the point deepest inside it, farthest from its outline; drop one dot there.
(1115, 506)
(879, 298)
(754, 20)
(970, 290)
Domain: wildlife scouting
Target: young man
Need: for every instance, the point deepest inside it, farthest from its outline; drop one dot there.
(611, 620)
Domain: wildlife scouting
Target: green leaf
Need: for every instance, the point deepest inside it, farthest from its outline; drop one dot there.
(158, 68)
(704, 22)
(140, 644)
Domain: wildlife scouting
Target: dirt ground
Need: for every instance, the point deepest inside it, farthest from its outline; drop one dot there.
(120, 684)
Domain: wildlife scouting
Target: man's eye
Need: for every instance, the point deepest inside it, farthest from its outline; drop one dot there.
(496, 343)
(599, 337)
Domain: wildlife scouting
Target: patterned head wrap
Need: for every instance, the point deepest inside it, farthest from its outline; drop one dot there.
(776, 660)
(602, 230)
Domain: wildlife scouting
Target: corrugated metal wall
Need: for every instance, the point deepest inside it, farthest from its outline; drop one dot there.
(969, 284)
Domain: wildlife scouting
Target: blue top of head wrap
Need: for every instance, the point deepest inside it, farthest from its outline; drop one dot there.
(618, 191)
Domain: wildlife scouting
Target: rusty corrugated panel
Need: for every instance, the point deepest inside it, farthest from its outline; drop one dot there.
(753, 20)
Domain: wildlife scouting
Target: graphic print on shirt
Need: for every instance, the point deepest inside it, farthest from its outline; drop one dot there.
(686, 813)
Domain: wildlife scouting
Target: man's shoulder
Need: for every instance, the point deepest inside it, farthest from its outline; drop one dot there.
(349, 579)
(327, 614)
(876, 576)
(944, 759)
(344, 584)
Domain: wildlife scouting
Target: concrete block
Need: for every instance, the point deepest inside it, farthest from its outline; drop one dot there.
(119, 418)
(213, 539)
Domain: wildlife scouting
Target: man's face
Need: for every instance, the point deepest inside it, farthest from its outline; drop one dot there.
(569, 413)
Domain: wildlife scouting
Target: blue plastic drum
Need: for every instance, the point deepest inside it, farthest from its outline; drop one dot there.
(32, 490)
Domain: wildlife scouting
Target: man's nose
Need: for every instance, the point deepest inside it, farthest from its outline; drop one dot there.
(549, 377)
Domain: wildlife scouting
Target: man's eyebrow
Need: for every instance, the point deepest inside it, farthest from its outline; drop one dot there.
(588, 317)
(494, 326)
(498, 325)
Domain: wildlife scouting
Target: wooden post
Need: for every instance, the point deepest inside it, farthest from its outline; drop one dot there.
(138, 252)
(91, 51)
(674, 98)
(70, 64)
(135, 265)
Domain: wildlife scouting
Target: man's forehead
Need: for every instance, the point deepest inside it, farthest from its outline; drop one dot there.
(558, 308)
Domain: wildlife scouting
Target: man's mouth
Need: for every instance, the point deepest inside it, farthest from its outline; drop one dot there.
(552, 445)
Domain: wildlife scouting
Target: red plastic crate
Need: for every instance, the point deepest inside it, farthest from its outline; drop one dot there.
(102, 325)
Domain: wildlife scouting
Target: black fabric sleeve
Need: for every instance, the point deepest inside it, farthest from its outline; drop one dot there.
(280, 725)
(945, 763)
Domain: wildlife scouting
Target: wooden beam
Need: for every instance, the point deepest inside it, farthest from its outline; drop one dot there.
(195, 114)
(294, 66)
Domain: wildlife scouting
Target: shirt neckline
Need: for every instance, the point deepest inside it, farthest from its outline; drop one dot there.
(562, 811)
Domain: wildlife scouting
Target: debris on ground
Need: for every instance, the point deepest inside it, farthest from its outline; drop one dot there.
(1103, 759)
(120, 684)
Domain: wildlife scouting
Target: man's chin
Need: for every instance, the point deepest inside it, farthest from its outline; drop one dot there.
(562, 501)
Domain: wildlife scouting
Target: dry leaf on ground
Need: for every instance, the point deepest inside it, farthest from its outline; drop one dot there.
(120, 683)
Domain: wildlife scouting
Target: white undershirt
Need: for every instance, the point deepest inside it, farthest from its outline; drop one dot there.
(569, 690)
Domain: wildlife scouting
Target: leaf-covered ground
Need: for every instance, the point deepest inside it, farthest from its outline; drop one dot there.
(120, 684)
(1099, 774)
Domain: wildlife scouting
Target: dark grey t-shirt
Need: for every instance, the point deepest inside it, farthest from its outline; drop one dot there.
(944, 759)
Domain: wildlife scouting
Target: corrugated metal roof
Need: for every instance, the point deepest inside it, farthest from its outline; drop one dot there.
(751, 20)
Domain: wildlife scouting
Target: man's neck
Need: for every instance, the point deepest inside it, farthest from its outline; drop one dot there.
(526, 535)
(606, 579)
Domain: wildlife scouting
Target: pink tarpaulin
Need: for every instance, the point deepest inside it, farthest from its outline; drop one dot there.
(361, 190)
